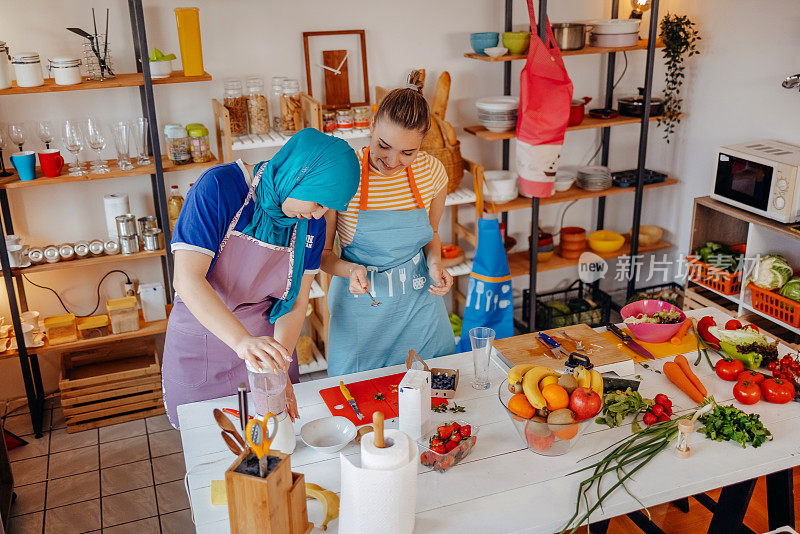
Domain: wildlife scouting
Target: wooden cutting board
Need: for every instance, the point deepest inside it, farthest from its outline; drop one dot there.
(603, 354)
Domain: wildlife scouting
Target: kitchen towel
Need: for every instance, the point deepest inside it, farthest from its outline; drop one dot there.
(379, 500)
(392, 456)
(115, 204)
(414, 403)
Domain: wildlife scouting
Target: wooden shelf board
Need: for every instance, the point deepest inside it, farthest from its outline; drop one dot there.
(13, 182)
(641, 45)
(519, 265)
(116, 258)
(588, 123)
(132, 79)
(573, 193)
(747, 216)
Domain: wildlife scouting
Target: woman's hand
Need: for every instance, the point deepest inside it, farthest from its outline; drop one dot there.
(264, 353)
(291, 401)
(441, 278)
(359, 284)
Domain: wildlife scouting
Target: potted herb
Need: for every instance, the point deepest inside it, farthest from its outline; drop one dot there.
(160, 64)
(680, 42)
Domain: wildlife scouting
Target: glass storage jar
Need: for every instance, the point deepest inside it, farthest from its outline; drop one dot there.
(361, 117)
(5, 66)
(236, 104)
(328, 121)
(61, 329)
(275, 101)
(291, 108)
(198, 143)
(257, 106)
(93, 327)
(344, 119)
(65, 70)
(124, 314)
(177, 144)
(27, 69)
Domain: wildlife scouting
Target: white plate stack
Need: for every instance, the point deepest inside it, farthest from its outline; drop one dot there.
(498, 113)
(594, 178)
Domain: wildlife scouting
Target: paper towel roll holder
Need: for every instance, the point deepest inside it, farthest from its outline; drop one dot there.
(377, 422)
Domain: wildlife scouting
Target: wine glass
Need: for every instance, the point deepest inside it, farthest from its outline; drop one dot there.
(3, 171)
(140, 131)
(97, 142)
(17, 134)
(45, 132)
(73, 140)
(121, 131)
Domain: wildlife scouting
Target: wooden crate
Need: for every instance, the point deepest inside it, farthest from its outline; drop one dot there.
(111, 384)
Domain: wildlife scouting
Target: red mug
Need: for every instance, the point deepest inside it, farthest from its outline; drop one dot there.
(51, 162)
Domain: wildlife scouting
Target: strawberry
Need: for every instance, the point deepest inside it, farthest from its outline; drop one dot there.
(450, 445)
(439, 449)
(465, 431)
(434, 442)
(444, 431)
(474, 439)
(426, 458)
(456, 426)
(456, 437)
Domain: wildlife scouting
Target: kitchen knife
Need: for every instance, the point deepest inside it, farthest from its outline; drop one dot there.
(555, 346)
(350, 399)
(629, 342)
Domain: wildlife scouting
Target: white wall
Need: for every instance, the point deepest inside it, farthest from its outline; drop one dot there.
(732, 93)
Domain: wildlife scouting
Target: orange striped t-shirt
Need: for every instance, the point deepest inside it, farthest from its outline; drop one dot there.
(394, 192)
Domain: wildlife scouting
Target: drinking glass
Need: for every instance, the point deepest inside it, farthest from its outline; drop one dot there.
(97, 142)
(45, 132)
(3, 171)
(121, 131)
(481, 339)
(73, 141)
(17, 134)
(140, 131)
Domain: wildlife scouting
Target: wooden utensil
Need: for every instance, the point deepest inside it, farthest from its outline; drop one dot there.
(227, 425)
(377, 422)
(441, 95)
(231, 443)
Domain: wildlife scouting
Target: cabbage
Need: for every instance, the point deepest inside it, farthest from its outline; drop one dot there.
(771, 272)
(791, 289)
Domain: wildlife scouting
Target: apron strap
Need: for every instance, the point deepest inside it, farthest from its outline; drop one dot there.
(235, 220)
(362, 203)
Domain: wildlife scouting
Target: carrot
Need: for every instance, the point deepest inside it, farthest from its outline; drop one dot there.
(675, 374)
(677, 339)
(683, 363)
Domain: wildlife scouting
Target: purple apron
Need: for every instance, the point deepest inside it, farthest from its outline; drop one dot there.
(248, 275)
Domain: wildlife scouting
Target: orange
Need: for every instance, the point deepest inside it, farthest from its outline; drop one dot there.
(556, 397)
(546, 381)
(519, 405)
(568, 432)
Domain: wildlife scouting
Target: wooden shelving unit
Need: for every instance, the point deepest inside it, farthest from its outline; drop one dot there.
(133, 79)
(86, 262)
(588, 123)
(641, 45)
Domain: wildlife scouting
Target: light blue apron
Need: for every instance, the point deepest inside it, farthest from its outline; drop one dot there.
(361, 336)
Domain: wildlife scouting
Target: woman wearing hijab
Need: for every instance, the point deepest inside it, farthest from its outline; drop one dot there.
(246, 250)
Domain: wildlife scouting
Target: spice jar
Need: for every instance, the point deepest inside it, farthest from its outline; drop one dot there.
(177, 144)
(361, 116)
(36, 256)
(111, 247)
(257, 106)
(27, 69)
(65, 70)
(344, 119)
(275, 101)
(328, 121)
(96, 248)
(291, 108)
(236, 104)
(198, 143)
(81, 249)
(51, 254)
(66, 252)
(5, 66)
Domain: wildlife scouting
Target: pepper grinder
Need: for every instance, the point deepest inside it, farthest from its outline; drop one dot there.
(685, 428)
(243, 415)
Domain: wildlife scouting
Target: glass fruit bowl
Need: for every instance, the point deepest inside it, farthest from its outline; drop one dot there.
(547, 439)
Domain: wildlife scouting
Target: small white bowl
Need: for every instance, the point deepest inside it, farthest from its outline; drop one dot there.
(160, 69)
(496, 51)
(564, 180)
(328, 434)
(499, 186)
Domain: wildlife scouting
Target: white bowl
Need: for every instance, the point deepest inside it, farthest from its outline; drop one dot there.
(328, 434)
(160, 69)
(498, 103)
(611, 26)
(564, 181)
(613, 40)
(499, 186)
(496, 51)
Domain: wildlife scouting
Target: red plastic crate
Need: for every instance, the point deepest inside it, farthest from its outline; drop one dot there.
(714, 278)
(775, 305)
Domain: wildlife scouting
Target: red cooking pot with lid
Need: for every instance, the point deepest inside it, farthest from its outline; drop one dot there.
(577, 110)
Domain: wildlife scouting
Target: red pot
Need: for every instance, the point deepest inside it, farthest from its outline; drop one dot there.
(577, 110)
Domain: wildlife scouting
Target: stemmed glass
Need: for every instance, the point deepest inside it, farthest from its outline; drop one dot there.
(45, 132)
(97, 142)
(3, 171)
(121, 131)
(17, 134)
(73, 140)
(139, 130)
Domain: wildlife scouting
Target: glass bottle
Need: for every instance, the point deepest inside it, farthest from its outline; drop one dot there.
(275, 102)
(174, 205)
(257, 106)
(236, 104)
(291, 108)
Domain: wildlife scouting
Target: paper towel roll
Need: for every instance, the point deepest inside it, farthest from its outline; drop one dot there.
(115, 204)
(379, 500)
(385, 458)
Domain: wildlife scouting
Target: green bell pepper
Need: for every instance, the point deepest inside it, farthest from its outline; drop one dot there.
(751, 360)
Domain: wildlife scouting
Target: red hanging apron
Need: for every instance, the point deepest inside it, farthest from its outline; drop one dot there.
(545, 97)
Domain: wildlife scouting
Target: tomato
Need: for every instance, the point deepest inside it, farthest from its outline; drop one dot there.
(772, 366)
(795, 367)
(787, 360)
(733, 324)
(777, 391)
(747, 392)
(729, 369)
(751, 376)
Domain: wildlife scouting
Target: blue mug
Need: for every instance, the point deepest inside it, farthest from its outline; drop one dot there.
(25, 163)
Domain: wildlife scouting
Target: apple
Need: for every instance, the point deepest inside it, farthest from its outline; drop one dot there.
(538, 435)
(585, 403)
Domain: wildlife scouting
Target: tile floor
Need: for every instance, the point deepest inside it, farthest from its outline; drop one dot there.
(126, 478)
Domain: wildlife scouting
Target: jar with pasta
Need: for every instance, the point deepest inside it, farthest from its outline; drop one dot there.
(291, 108)
(361, 116)
(236, 104)
(257, 106)
(328, 121)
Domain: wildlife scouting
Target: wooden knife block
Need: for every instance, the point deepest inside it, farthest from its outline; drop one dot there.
(272, 505)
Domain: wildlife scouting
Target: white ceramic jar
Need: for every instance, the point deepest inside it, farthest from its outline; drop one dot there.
(27, 69)
(5, 66)
(65, 70)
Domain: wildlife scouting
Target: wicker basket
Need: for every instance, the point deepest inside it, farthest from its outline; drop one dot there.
(437, 145)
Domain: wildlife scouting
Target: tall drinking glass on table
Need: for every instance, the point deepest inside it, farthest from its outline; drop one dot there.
(481, 339)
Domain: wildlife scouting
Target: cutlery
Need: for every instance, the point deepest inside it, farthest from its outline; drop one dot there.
(496, 297)
(470, 287)
(389, 277)
(578, 344)
(234, 448)
(555, 346)
(372, 270)
(350, 400)
(260, 434)
(401, 272)
(479, 290)
(548, 352)
(489, 294)
(629, 342)
(227, 426)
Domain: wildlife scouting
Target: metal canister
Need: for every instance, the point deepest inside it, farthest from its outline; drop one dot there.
(153, 239)
(51, 254)
(66, 251)
(111, 247)
(81, 249)
(148, 222)
(96, 248)
(126, 224)
(128, 244)
(36, 255)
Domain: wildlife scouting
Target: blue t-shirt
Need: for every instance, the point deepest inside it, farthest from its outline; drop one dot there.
(211, 205)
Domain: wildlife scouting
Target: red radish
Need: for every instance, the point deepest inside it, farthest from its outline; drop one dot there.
(649, 419)
(662, 399)
(663, 417)
(657, 410)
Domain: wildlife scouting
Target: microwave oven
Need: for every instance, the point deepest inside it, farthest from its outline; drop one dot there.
(760, 176)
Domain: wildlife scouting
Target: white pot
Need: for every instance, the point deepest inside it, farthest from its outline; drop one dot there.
(160, 69)
(610, 26)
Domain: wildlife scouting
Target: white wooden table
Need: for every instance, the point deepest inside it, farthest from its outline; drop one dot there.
(502, 486)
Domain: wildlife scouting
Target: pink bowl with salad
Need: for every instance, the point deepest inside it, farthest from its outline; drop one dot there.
(652, 321)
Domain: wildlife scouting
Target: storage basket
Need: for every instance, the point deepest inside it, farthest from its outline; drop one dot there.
(775, 305)
(656, 292)
(548, 317)
(449, 154)
(714, 278)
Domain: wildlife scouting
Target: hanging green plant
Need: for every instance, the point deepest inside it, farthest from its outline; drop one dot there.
(680, 38)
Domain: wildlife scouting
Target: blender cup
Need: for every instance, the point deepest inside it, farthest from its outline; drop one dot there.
(268, 391)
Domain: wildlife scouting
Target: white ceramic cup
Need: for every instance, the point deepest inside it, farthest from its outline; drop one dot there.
(17, 255)
(30, 317)
(5, 330)
(28, 333)
(13, 239)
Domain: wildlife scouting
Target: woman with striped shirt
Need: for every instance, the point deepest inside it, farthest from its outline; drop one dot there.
(389, 236)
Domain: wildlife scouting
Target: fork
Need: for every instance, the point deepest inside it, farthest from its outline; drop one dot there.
(401, 272)
(578, 344)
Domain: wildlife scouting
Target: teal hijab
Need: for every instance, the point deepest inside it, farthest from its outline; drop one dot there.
(312, 166)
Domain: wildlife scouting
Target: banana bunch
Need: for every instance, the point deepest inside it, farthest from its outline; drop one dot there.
(525, 378)
(329, 500)
(590, 379)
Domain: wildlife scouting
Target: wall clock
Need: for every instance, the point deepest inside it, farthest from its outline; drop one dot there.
(336, 67)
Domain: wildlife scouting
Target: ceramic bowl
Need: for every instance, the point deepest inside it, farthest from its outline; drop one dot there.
(160, 69)
(605, 241)
(496, 51)
(649, 234)
(517, 42)
(574, 234)
(649, 332)
(328, 434)
(543, 257)
(482, 40)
